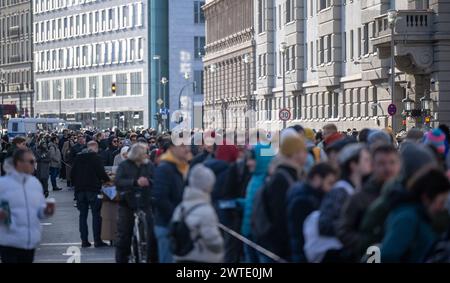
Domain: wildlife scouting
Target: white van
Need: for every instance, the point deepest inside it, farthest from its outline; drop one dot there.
(25, 126)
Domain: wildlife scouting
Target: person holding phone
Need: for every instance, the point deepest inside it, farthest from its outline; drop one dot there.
(23, 205)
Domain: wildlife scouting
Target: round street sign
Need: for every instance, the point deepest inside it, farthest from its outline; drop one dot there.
(284, 114)
(392, 109)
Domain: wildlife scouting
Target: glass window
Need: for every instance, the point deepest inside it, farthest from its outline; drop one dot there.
(93, 86)
(106, 85)
(136, 83)
(198, 79)
(68, 88)
(121, 83)
(57, 89)
(199, 45)
(81, 87)
(199, 17)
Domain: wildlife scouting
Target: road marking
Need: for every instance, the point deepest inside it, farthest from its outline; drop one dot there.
(46, 224)
(60, 244)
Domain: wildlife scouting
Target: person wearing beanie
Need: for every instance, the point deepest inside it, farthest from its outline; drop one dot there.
(436, 139)
(201, 220)
(377, 138)
(355, 164)
(290, 161)
(315, 153)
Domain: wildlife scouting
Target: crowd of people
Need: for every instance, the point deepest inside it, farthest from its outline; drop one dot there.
(318, 196)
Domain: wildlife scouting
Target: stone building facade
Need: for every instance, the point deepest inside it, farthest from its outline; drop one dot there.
(337, 61)
(229, 63)
(16, 68)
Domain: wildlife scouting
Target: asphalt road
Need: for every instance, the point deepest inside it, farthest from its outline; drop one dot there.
(61, 240)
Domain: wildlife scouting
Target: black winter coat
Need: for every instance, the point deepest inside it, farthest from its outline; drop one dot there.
(88, 172)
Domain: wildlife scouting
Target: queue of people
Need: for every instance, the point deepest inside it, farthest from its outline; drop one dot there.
(317, 196)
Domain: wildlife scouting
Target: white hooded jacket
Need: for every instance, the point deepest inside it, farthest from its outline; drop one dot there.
(24, 195)
(202, 222)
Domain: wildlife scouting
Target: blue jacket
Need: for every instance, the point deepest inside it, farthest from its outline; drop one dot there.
(302, 199)
(167, 192)
(408, 235)
(256, 182)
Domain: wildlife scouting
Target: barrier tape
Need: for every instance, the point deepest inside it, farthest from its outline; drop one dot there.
(252, 244)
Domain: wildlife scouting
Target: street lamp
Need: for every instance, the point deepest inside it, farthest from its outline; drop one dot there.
(426, 102)
(392, 19)
(246, 60)
(283, 48)
(94, 88)
(60, 100)
(213, 69)
(408, 104)
(160, 101)
(186, 77)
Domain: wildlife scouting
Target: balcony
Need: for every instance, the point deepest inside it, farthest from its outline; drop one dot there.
(412, 39)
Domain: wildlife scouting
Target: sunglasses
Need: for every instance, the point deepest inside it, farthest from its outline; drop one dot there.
(152, 142)
(30, 161)
(115, 141)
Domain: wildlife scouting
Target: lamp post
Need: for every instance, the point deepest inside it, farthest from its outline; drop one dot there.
(212, 69)
(283, 49)
(94, 88)
(158, 58)
(186, 77)
(164, 82)
(246, 60)
(392, 20)
(60, 101)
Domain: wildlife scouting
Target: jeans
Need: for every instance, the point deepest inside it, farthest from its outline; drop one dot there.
(125, 224)
(44, 183)
(54, 171)
(15, 255)
(85, 200)
(164, 252)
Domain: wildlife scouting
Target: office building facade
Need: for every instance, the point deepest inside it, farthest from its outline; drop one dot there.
(186, 41)
(82, 48)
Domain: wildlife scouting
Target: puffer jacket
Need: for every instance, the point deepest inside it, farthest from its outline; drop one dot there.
(202, 222)
(23, 192)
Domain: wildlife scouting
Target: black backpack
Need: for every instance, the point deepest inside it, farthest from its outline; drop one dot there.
(181, 242)
(260, 220)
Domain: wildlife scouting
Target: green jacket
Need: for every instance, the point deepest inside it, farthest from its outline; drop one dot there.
(409, 235)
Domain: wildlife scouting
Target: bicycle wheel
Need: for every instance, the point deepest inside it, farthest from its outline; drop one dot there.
(143, 243)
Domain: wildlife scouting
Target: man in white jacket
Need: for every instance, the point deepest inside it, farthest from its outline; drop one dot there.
(201, 220)
(21, 193)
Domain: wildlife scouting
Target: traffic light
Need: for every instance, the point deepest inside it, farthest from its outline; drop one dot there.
(113, 88)
(428, 119)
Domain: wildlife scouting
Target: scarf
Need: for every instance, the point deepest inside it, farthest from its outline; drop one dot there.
(183, 167)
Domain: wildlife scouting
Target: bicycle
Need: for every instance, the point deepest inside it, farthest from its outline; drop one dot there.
(140, 238)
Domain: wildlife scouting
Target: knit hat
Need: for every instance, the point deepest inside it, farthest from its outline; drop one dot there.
(309, 134)
(349, 152)
(202, 178)
(378, 137)
(436, 138)
(333, 138)
(228, 153)
(292, 144)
